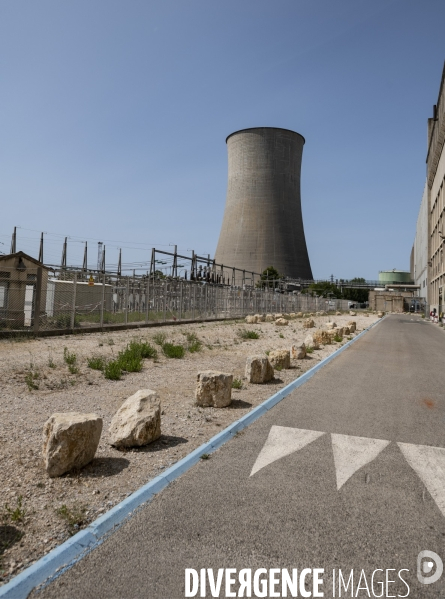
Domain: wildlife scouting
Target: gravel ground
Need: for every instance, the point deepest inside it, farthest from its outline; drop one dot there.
(38, 513)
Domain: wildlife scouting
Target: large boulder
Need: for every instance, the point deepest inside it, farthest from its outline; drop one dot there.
(259, 370)
(70, 441)
(260, 317)
(280, 359)
(331, 325)
(214, 389)
(138, 421)
(346, 330)
(298, 351)
(309, 323)
(250, 319)
(338, 313)
(281, 322)
(311, 341)
(380, 314)
(299, 314)
(352, 313)
(269, 318)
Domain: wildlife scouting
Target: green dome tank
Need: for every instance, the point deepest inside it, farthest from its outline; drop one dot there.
(394, 276)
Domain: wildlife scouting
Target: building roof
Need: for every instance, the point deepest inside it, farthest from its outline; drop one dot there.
(26, 257)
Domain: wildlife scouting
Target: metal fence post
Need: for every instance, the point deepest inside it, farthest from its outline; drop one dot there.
(127, 295)
(102, 303)
(38, 301)
(180, 300)
(165, 301)
(73, 309)
(147, 301)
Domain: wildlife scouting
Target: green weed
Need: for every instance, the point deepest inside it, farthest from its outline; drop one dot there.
(96, 363)
(173, 351)
(30, 379)
(68, 357)
(74, 517)
(245, 334)
(337, 338)
(237, 383)
(193, 343)
(160, 338)
(113, 371)
(309, 350)
(18, 513)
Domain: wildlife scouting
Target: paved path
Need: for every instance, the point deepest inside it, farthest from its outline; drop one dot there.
(335, 500)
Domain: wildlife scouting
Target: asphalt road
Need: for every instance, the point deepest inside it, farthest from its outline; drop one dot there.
(388, 388)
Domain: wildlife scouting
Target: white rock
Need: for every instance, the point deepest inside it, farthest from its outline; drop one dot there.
(269, 318)
(260, 317)
(298, 351)
(250, 319)
(214, 389)
(380, 314)
(258, 370)
(311, 341)
(330, 325)
(309, 323)
(352, 326)
(70, 441)
(281, 322)
(352, 313)
(138, 420)
(280, 359)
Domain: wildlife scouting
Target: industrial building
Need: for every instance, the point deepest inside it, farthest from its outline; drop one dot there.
(263, 223)
(428, 261)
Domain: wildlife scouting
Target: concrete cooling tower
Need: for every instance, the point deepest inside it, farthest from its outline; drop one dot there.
(262, 224)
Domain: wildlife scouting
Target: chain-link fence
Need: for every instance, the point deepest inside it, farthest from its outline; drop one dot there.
(40, 301)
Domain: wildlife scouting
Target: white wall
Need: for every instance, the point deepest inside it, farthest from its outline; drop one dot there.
(421, 246)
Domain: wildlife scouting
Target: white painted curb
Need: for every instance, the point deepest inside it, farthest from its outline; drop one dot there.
(63, 557)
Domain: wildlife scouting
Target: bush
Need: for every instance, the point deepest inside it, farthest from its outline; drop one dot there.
(173, 351)
(337, 338)
(245, 334)
(146, 350)
(309, 350)
(96, 363)
(130, 359)
(113, 371)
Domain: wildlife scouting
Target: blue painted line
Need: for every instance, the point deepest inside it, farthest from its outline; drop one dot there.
(63, 557)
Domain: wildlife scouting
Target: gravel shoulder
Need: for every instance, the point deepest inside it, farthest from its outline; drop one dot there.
(38, 513)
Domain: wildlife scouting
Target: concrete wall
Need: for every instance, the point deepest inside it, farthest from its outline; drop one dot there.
(263, 224)
(420, 259)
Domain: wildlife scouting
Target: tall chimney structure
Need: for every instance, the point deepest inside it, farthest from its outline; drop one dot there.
(263, 224)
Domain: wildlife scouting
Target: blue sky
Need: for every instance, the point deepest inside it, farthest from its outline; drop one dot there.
(113, 119)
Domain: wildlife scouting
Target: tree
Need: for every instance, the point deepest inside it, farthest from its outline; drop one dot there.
(270, 277)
